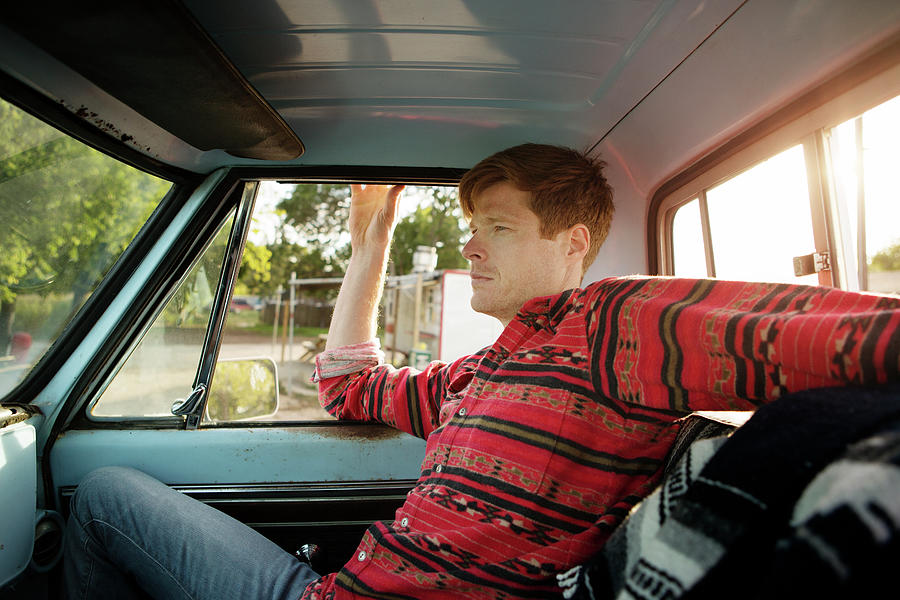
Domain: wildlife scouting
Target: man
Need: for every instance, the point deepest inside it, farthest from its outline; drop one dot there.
(538, 215)
(538, 445)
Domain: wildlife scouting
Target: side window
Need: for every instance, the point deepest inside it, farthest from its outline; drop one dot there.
(749, 227)
(67, 212)
(162, 367)
(295, 254)
(865, 159)
(689, 241)
(824, 210)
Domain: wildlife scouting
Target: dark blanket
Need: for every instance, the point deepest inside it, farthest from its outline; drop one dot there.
(802, 501)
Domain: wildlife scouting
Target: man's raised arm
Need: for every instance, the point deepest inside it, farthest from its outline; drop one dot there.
(373, 211)
(353, 383)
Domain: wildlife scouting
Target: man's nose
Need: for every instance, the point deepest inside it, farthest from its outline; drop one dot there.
(473, 251)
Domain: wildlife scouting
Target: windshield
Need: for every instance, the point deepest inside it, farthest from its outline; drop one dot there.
(67, 212)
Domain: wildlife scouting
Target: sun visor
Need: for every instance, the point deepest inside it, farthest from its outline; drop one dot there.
(154, 57)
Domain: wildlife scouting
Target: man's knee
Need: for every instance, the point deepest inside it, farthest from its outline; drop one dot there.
(105, 488)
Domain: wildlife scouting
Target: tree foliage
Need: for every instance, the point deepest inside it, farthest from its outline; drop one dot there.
(887, 259)
(313, 241)
(317, 214)
(256, 269)
(66, 213)
(437, 223)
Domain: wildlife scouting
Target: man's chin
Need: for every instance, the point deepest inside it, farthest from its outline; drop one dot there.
(480, 305)
(485, 308)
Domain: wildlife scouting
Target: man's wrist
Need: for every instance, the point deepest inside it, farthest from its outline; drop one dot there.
(370, 255)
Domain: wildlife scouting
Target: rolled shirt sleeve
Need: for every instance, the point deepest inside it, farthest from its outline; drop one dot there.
(355, 384)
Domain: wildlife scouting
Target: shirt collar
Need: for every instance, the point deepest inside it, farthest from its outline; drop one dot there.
(545, 312)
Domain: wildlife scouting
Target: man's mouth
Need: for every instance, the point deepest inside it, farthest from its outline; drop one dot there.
(478, 278)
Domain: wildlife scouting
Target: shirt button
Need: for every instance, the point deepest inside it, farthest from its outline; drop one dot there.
(361, 556)
(462, 411)
(404, 522)
(438, 469)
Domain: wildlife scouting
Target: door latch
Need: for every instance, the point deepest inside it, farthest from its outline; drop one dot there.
(812, 263)
(189, 408)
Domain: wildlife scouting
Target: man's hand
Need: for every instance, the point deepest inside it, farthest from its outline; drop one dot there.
(373, 212)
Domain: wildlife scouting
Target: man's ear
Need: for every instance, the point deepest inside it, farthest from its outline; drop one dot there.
(579, 242)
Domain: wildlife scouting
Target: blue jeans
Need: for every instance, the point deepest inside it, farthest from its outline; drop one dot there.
(130, 536)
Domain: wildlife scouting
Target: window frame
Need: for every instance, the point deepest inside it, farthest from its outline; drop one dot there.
(806, 121)
(202, 372)
(54, 115)
(228, 195)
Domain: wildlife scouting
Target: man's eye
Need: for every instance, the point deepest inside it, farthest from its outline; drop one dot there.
(500, 228)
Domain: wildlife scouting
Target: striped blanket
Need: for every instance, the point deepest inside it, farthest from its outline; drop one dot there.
(801, 502)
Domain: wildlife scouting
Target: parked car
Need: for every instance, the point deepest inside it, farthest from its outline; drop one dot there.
(240, 305)
(143, 147)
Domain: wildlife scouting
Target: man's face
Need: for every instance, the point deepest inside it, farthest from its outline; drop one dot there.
(511, 262)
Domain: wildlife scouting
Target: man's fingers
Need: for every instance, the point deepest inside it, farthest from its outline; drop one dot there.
(373, 211)
(377, 197)
(371, 191)
(392, 203)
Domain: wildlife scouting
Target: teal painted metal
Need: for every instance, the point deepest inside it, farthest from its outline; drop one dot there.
(234, 456)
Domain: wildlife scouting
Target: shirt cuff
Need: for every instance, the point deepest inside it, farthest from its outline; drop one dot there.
(347, 359)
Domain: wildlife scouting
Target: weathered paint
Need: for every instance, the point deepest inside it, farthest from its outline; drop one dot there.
(251, 455)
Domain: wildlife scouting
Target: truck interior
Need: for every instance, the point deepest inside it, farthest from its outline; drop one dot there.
(144, 144)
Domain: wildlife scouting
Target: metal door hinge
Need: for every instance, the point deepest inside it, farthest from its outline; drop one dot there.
(812, 263)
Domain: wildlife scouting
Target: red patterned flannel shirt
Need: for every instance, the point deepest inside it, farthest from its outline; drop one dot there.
(539, 445)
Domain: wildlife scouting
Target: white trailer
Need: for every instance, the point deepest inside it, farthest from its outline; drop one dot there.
(428, 316)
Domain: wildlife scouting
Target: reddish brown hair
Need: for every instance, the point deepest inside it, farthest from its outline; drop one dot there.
(567, 188)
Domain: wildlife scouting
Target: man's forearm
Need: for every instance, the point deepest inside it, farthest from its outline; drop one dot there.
(373, 211)
(356, 310)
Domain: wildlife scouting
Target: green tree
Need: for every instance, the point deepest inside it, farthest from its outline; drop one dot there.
(66, 213)
(887, 259)
(436, 223)
(318, 214)
(256, 270)
(306, 261)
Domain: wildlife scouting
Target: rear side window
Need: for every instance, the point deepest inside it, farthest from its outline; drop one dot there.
(749, 227)
(67, 212)
(823, 210)
(865, 156)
